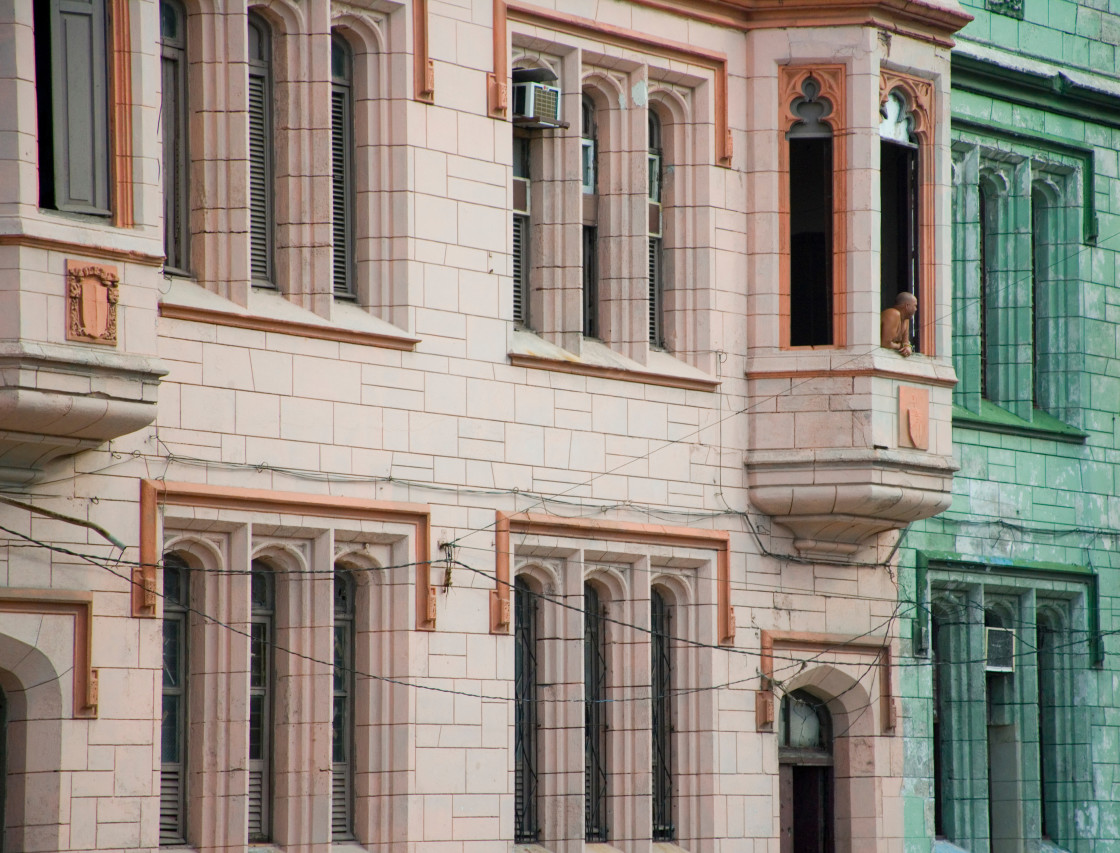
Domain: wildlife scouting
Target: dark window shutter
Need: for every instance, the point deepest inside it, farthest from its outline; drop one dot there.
(256, 805)
(341, 189)
(75, 136)
(340, 804)
(655, 291)
(520, 269)
(171, 805)
(260, 156)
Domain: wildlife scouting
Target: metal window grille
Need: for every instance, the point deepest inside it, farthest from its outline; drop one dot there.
(71, 70)
(342, 168)
(525, 817)
(260, 153)
(176, 161)
(595, 718)
(342, 724)
(173, 728)
(661, 687)
(261, 641)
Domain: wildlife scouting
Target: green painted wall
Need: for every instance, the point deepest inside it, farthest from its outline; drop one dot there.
(1035, 519)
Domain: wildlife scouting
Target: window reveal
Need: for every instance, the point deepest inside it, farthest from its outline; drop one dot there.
(522, 200)
(596, 826)
(661, 690)
(656, 229)
(526, 718)
(173, 728)
(589, 154)
(899, 204)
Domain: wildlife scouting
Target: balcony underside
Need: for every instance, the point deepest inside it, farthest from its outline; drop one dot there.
(59, 400)
(835, 501)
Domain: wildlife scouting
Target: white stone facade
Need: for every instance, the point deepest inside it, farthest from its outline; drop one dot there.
(418, 440)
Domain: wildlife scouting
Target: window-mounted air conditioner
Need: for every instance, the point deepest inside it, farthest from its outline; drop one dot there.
(536, 101)
(999, 649)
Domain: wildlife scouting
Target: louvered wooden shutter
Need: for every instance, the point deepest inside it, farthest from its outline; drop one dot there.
(655, 291)
(79, 143)
(260, 181)
(256, 805)
(340, 191)
(171, 805)
(340, 803)
(520, 269)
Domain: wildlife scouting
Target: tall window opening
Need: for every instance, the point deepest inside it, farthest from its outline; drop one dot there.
(173, 117)
(987, 212)
(1045, 304)
(661, 686)
(526, 820)
(72, 92)
(261, 213)
(596, 826)
(521, 224)
(805, 776)
(940, 682)
(342, 166)
(589, 170)
(1004, 796)
(810, 220)
(899, 203)
(342, 720)
(656, 226)
(3, 764)
(262, 637)
(173, 728)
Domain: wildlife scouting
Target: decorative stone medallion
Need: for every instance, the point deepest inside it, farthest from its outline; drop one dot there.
(92, 292)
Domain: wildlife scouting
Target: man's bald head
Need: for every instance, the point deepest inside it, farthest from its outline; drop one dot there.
(906, 303)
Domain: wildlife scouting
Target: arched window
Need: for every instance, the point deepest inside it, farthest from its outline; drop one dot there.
(810, 219)
(173, 728)
(589, 160)
(526, 820)
(261, 214)
(899, 202)
(173, 118)
(342, 166)
(656, 224)
(595, 717)
(805, 773)
(262, 639)
(342, 720)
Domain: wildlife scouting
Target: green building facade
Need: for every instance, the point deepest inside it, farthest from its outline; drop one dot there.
(1010, 670)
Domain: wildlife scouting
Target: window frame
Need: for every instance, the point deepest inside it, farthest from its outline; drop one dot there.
(262, 613)
(176, 144)
(342, 187)
(176, 614)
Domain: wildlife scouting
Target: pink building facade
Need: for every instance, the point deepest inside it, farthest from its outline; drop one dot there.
(456, 426)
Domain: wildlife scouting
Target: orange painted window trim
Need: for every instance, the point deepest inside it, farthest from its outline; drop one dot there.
(157, 493)
(611, 531)
(120, 87)
(920, 94)
(833, 83)
(52, 602)
(498, 80)
(423, 68)
(806, 641)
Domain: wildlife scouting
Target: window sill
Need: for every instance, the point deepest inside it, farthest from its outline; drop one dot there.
(597, 359)
(941, 845)
(270, 312)
(991, 418)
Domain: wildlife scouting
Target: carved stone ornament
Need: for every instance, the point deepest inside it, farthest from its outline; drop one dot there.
(92, 293)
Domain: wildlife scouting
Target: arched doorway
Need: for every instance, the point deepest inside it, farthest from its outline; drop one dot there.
(805, 774)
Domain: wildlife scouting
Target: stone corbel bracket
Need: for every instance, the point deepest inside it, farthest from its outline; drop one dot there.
(611, 531)
(877, 648)
(79, 605)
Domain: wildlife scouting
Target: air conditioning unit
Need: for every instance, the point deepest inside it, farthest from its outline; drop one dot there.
(536, 102)
(999, 649)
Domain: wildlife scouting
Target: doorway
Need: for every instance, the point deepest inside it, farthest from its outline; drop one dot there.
(805, 774)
